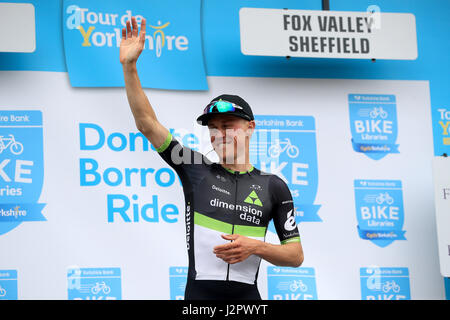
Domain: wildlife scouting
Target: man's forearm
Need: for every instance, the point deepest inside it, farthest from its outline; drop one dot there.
(241, 247)
(131, 46)
(289, 254)
(143, 113)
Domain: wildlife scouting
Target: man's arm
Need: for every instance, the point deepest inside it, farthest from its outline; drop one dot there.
(145, 118)
(289, 254)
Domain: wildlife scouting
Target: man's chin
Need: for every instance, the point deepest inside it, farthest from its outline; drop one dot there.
(225, 158)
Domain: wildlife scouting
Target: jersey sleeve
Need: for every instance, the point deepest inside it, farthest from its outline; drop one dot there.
(178, 156)
(283, 212)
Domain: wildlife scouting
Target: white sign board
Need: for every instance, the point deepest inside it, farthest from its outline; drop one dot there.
(441, 175)
(328, 34)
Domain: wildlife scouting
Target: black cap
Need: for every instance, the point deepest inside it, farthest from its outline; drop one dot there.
(245, 113)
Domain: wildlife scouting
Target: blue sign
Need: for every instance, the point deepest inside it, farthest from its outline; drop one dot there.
(441, 129)
(49, 53)
(94, 284)
(286, 146)
(21, 168)
(447, 288)
(291, 283)
(172, 57)
(178, 279)
(373, 123)
(379, 211)
(8, 284)
(385, 283)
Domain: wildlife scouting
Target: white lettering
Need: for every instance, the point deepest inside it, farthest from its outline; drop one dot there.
(3, 173)
(21, 171)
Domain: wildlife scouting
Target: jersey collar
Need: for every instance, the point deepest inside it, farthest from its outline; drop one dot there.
(240, 172)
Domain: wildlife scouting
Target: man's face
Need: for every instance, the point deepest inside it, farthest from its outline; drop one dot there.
(228, 135)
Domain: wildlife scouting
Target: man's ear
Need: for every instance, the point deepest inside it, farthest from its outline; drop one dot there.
(251, 127)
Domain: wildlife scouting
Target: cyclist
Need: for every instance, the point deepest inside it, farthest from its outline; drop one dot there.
(228, 204)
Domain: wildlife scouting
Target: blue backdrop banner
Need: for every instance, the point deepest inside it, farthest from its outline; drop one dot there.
(172, 56)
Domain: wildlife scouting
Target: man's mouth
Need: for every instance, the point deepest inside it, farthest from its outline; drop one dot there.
(223, 144)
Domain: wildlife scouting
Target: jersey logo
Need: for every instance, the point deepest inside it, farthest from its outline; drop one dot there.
(219, 177)
(253, 199)
(290, 225)
(256, 187)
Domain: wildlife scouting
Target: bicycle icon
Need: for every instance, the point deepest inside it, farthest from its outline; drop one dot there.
(298, 284)
(391, 285)
(2, 292)
(100, 286)
(14, 146)
(384, 197)
(378, 112)
(159, 37)
(278, 148)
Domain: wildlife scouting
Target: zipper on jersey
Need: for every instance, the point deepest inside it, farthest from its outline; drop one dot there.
(234, 217)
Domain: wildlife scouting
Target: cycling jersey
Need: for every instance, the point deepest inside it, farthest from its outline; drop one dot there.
(222, 201)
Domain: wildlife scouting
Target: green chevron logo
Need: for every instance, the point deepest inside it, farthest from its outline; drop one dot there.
(252, 198)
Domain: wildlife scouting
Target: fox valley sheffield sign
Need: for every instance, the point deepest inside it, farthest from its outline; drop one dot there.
(328, 34)
(441, 179)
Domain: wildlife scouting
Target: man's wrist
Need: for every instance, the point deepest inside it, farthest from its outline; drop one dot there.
(261, 249)
(129, 67)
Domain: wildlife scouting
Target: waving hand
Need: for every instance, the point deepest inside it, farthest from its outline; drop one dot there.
(132, 42)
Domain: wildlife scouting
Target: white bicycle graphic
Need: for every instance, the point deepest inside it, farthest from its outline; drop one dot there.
(378, 112)
(391, 285)
(159, 37)
(14, 146)
(298, 284)
(100, 286)
(2, 292)
(278, 148)
(384, 197)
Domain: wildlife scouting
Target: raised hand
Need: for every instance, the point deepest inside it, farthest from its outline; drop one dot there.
(132, 42)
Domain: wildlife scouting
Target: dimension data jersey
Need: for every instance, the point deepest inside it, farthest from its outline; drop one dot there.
(220, 201)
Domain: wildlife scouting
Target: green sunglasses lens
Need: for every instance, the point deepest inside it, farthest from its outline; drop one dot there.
(222, 106)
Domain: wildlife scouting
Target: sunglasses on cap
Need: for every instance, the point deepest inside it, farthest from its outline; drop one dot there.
(221, 106)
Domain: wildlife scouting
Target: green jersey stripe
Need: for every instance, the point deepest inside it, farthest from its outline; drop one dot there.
(240, 172)
(294, 239)
(210, 223)
(165, 143)
(250, 231)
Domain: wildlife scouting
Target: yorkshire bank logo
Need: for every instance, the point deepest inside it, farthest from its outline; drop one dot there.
(100, 29)
(21, 168)
(15, 212)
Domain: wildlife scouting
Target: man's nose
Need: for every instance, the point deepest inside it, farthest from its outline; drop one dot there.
(216, 134)
(219, 133)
